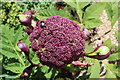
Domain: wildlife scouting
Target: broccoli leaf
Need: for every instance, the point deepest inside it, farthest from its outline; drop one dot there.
(112, 12)
(92, 14)
(92, 23)
(95, 70)
(9, 41)
(14, 67)
(111, 70)
(94, 10)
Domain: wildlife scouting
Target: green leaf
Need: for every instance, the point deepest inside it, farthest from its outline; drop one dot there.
(52, 11)
(107, 42)
(72, 3)
(44, 69)
(80, 12)
(92, 23)
(95, 70)
(9, 43)
(35, 59)
(113, 57)
(94, 11)
(112, 12)
(14, 67)
(48, 75)
(101, 51)
(22, 17)
(51, 74)
(78, 6)
(88, 48)
(111, 70)
(81, 5)
(1, 57)
(9, 76)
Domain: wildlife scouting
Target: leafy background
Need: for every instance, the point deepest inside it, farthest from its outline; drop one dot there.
(86, 14)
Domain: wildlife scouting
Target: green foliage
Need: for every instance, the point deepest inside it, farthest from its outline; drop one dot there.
(88, 48)
(112, 12)
(52, 11)
(114, 56)
(10, 51)
(14, 67)
(9, 41)
(111, 70)
(95, 70)
(9, 14)
(25, 6)
(89, 16)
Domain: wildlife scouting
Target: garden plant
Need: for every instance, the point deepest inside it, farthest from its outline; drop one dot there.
(59, 40)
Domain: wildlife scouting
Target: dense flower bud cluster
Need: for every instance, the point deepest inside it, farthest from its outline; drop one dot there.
(57, 41)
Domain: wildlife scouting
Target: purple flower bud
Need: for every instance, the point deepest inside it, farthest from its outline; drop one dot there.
(28, 12)
(26, 72)
(86, 32)
(28, 30)
(23, 48)
(100, 53)
(25, 18)
(34, 23)
(101, 57)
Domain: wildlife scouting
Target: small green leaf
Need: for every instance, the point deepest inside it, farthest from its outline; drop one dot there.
(107, 42)
(14, 67)
(44, 69)
(88, 48)
(22, 17)
(92, 23)
(35, 59)
(113, 57)
(48, 75)
(9, 76)
(95, 70)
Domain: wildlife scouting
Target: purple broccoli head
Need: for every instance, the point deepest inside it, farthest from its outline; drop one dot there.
(57, 41)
